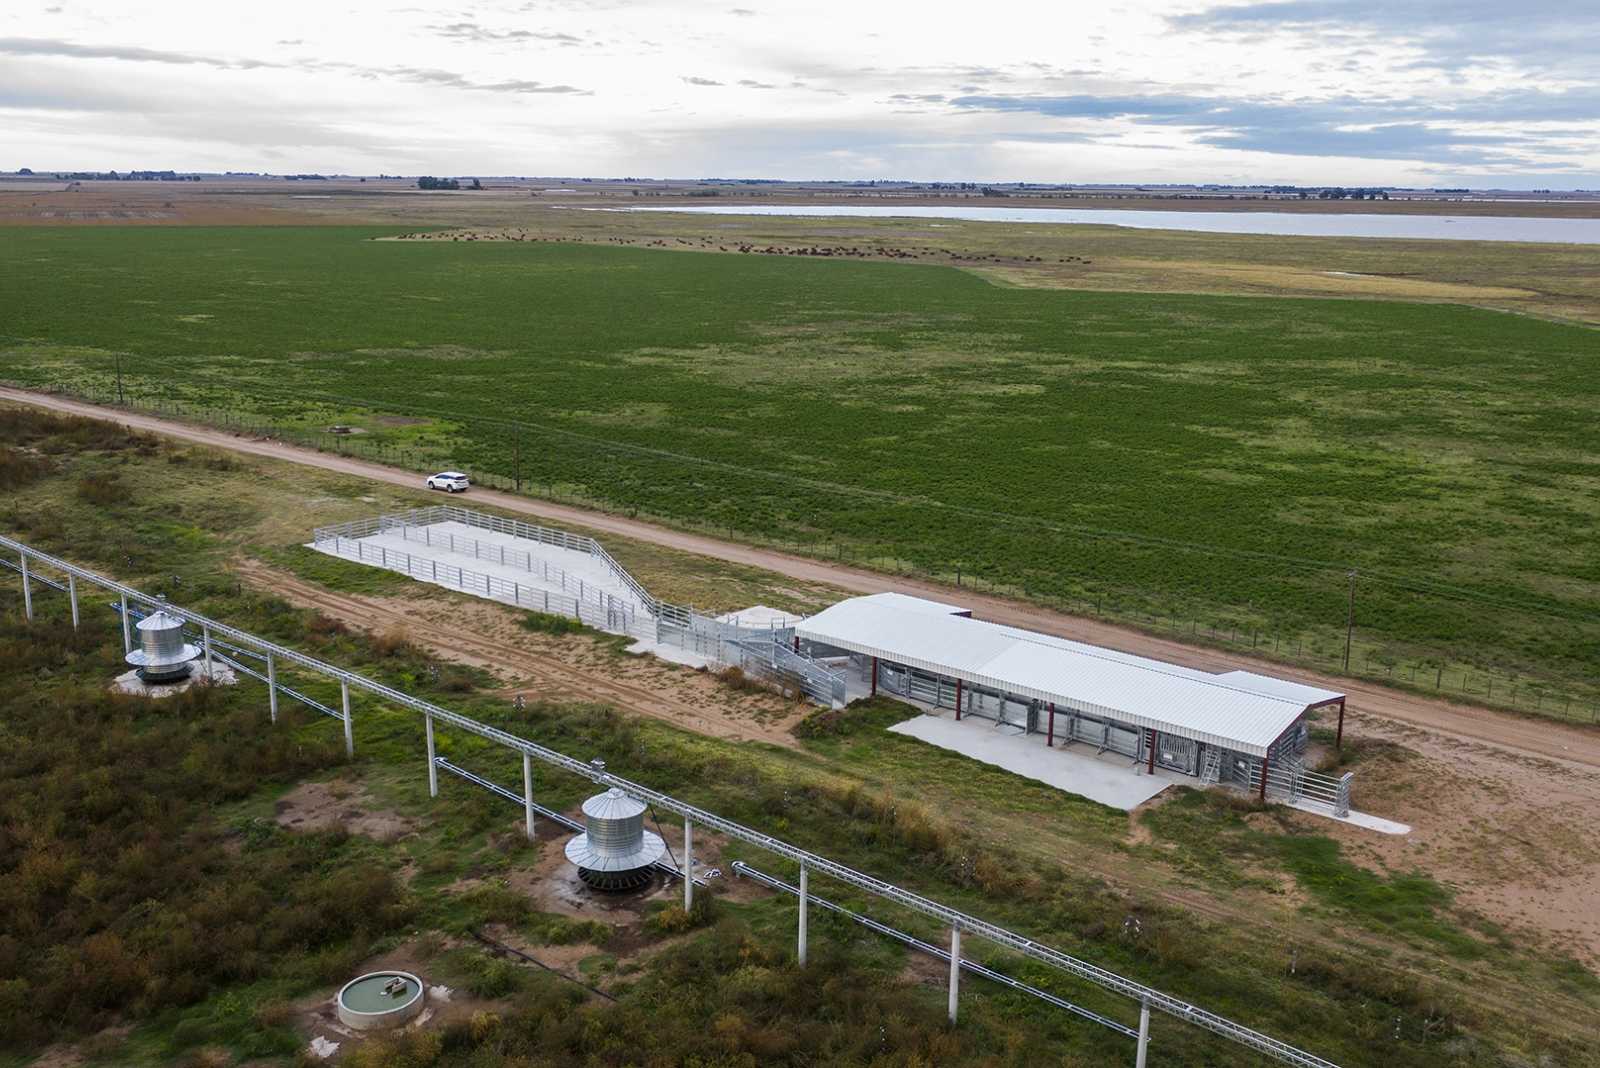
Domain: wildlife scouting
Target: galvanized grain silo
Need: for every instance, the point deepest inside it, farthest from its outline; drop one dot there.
(615, 852)
(163, 655)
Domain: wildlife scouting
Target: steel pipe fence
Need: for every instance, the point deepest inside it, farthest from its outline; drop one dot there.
(612, 618)
(774, 883)
(954, 918)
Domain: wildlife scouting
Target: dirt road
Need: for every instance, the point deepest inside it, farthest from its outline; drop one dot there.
(1556, 741)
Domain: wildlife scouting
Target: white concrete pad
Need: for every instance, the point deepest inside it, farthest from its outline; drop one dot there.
(759, 615)
(130, 683)
(1355, 819)
(671, 653)
(1110, 780)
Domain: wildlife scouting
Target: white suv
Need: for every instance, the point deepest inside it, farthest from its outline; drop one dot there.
(449, 481)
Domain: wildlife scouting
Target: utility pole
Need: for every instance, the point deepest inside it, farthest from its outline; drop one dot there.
(1350, 621)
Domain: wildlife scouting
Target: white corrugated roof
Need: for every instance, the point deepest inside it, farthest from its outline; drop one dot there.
(919, 604)
(1285, 688)
(1241, 710)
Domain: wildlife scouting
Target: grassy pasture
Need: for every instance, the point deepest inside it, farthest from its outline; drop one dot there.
(1244, 452)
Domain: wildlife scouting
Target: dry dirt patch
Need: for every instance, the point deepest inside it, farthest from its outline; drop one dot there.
(1511, 834)
(326, 806)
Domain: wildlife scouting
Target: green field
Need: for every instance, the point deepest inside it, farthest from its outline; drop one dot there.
(1181, 461)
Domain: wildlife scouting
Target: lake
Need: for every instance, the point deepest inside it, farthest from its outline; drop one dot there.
(1432, 227)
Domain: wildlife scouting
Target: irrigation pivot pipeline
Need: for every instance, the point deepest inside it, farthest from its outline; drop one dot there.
(960, 923)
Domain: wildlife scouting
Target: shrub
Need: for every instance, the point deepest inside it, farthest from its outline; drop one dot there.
(19, 468)
(102, 490)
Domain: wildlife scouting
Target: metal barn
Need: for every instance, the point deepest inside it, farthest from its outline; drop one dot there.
(1237, 727)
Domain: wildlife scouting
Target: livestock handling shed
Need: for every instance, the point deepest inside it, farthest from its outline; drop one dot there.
(1236, 727)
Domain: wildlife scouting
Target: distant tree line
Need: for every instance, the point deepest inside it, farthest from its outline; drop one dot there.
(430, 182)
(131, 176)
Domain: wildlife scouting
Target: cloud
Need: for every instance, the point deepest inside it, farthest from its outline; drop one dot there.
(750, 83)
(1462, 132)
(700, 81)
(1451, 34)
(31, 46)
(40, 46)
(742, 12)
(472, 31)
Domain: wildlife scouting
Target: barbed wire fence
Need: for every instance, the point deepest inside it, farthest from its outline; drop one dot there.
(1319, 648)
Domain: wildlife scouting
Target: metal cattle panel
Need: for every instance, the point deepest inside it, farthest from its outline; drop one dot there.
(1178, 754)
(1014, 713)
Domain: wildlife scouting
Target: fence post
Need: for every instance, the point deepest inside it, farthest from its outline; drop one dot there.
(349, 732)
(688, 864)
(955, 971)
(433, 767)
(272, 689)
(527, 794)
(27, 589)
(803, 894)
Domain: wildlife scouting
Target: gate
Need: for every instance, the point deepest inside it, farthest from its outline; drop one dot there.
(1178, 754)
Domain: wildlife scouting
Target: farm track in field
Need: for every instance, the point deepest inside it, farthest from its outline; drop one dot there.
(1517, 734)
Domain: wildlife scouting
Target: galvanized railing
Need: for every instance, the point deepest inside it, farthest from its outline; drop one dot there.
(1148, 997)
(607, 614)
(1293, 782)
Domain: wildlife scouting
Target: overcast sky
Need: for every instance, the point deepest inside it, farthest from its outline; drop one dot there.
(1406, 92)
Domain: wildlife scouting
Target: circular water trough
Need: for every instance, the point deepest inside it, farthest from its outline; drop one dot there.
(379, 1000)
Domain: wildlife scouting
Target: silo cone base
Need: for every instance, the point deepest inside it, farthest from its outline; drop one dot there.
(129, 682)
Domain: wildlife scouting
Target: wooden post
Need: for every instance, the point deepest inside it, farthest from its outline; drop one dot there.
(1050, 735)
(874, 677)
(1151, 768)
(1338, 736)
(958, 700)
(1263, 777)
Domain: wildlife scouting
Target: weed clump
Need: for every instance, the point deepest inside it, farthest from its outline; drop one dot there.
(102, 489)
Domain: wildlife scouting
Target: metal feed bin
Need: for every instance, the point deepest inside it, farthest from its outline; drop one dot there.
(615, 852)
(163, 655)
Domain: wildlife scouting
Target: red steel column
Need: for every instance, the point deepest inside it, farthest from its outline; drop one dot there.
(1151, 767)
(874, 676)
(1050, 736)
(958, 700)
(1338, 736)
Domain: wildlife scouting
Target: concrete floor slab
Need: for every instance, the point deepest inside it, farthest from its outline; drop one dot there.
(1110, 780)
